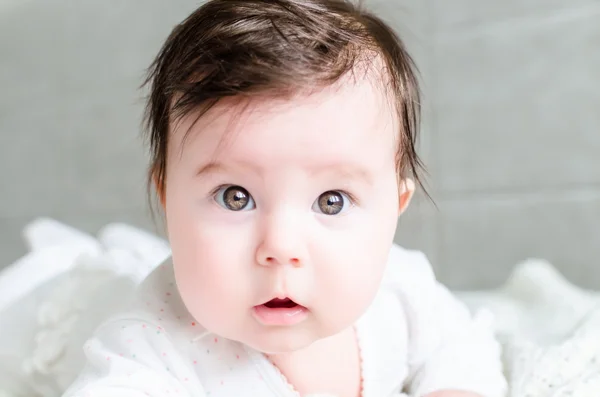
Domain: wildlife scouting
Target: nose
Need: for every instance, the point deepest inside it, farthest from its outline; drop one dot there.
(281, 242)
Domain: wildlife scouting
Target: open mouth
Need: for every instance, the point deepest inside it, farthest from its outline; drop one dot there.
(280, 312)
(277, 303)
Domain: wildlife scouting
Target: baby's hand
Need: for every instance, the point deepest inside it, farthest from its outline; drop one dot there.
(453, 393)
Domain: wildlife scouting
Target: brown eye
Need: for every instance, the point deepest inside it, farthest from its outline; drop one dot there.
(330, 203)
(234, 198)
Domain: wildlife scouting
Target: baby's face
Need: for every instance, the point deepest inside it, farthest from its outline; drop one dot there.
(281, 221)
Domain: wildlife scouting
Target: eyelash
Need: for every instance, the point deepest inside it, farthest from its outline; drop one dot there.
(213, 193)
(353, 200)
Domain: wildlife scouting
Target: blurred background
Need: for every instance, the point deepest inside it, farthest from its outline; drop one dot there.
(511, 129)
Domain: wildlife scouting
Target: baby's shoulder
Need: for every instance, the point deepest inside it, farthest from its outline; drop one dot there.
(407, 268)
(157, 305)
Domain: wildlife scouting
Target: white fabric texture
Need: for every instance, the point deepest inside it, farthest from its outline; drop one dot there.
(550, 332)
(548, 327)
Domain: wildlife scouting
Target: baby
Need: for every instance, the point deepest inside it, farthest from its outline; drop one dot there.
(283, 152)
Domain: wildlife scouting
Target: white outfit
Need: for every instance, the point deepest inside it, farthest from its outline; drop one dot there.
(414, 338)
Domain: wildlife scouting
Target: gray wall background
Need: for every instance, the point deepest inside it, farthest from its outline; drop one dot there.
(510, 136)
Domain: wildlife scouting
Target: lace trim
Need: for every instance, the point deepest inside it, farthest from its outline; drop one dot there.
(361, 358)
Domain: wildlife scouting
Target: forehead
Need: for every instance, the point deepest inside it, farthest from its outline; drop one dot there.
(352, 118)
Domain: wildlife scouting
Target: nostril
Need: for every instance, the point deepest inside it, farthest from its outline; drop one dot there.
(292, 261)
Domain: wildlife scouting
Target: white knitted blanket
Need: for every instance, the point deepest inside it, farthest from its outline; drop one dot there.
(53, 298)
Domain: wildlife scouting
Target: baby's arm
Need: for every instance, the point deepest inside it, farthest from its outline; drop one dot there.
(133, 358)
(451, 354)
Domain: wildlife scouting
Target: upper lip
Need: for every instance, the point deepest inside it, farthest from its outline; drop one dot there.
(281, 298)
(281, 303)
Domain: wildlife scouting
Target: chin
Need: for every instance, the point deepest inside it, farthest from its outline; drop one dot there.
(280, 342)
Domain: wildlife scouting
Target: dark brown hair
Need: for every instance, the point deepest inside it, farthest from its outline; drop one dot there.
(242, 49)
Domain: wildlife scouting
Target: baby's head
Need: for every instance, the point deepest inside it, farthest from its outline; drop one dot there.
(283, 151)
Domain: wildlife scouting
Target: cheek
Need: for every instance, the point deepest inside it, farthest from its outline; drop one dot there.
(347, 285)
(352, 266)
(209, 268)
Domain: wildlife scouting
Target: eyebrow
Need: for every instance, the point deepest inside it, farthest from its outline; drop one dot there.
(348, 171)
(343, 171)
(209, 168)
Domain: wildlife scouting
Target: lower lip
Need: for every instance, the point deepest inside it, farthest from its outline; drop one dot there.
(280, 316)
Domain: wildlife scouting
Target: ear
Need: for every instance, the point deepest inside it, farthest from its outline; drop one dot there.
(160, 189)
(406, 192)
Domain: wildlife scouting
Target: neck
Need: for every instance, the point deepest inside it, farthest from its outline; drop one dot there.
(329, 364)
